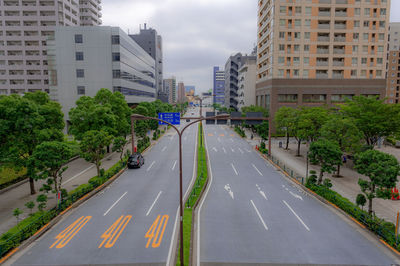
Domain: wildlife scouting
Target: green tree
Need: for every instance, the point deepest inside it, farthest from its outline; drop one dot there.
(50, 158)
(119, 107)
(372, 117)
(344, 132)
(42, 201)
(141, 126)
(284, 121)
(382, 170)
(25, 123)
(89, 115)
(93, 146)
(361, 200)
(327, 154)
(30, 205)
(119, 146)
(17, 212)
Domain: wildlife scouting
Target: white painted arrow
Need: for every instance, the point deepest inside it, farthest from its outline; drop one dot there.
(215, 149)
(228, 189)
(295, 195)
(261, 192)
(240, 150)
(224, 149)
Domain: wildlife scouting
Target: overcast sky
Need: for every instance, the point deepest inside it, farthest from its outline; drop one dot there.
(197, 34)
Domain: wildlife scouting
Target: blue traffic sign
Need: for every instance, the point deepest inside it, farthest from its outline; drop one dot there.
(173, 118)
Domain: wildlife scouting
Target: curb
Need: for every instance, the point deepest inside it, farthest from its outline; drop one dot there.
(74, 205)
(27, 179)
(330, 204)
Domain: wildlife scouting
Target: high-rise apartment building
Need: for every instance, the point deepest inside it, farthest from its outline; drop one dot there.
(170, 88)
(313, 52)
(218, 86)
(151, 42)
(393, 65)
(247, 83)
(231, 79)
(181, 93)
(82, 60)
(25, 27)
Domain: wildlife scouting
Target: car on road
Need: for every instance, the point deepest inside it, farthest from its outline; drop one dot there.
(135, 160)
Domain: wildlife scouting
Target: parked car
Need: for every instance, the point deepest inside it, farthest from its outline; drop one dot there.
(136, 160)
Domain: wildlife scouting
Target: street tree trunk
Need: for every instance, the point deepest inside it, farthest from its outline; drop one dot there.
(321, 173)
(287, 140)
(338, 171)
(298, 148)
(32, 186)
(370, 206)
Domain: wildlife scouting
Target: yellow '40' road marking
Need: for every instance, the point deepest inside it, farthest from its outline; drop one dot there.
(115, 230)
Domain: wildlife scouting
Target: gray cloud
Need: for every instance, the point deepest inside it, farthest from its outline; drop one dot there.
(197, 34)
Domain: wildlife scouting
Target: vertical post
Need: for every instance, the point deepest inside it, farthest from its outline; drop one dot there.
(307, 167)
(397, 227)
(269, 136)
(133, 133)
(180, 197)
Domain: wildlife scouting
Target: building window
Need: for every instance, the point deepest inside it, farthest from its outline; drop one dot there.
(365, 36)
(297, 35)
(297, 22)
(367, 11)
(381, 36)
(81, 90)
(306, 48)
(314, 98)
(382, 24)
(355, 48)
(281, 47)
(281, 60)
(366, 24)
(79, 56)
(296, 60)
(354, 73)
(116, 57)
(116, 74)
(354, 61)
(306, 35)
(287, 98)
(80, 73)
(306, 60)
(298, 9)
(357, 11)
(356, 23)
(296, 48)
(78, 38)
(115, 39)
(379, 73)
(305, 73)
(280, 73)
(365, 48)
(308, 10)
(282, 35)
(282, 22)
(282, 9)
(380, 48)
(355, 36)
(363, 73)
(307, 22)
(295, 72)
(364, 60)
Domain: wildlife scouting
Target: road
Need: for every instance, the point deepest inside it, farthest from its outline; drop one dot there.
(130, 222)
(252, 214)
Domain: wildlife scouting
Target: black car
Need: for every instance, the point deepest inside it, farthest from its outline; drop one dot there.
(135, 160)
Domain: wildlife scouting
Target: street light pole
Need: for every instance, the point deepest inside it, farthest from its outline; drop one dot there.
(133, 135)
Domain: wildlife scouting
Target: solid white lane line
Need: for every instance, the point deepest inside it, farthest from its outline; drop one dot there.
(152, 205)
(84, 171)
(151, 165)
(224, 149)
(173, 167)
(164, 148)
(240, 150)
(115, 203)
(295, 214)
(259, 215)
(257, 169)
(234, 169)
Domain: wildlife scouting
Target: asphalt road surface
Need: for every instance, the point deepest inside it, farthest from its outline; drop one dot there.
(251, 214)
(131, 221)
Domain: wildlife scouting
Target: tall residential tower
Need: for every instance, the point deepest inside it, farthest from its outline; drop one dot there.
(25, 27)
(218, 86)
(393, 65)
(314, 52)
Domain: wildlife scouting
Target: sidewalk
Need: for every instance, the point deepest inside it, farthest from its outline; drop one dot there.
(347, 185)
(79, 172)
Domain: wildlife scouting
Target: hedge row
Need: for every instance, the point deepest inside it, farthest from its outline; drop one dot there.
(29, 226)
(384, 229)
(240, 131)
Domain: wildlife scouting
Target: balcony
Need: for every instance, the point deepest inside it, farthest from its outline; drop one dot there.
(324, 13)
(323, 38)
(340, 26)
(322, 63)
(337, 76)
(338, 51)
(324, 26)
(321, 75)
(340, 14)
(338, 63)
(341, 2)
(322, 51)
(339, 39)
(324, 1)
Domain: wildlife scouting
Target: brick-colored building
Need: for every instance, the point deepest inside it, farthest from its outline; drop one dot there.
(315, 52)
(393, 70)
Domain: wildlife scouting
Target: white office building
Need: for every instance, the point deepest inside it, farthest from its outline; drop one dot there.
(82, 60)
